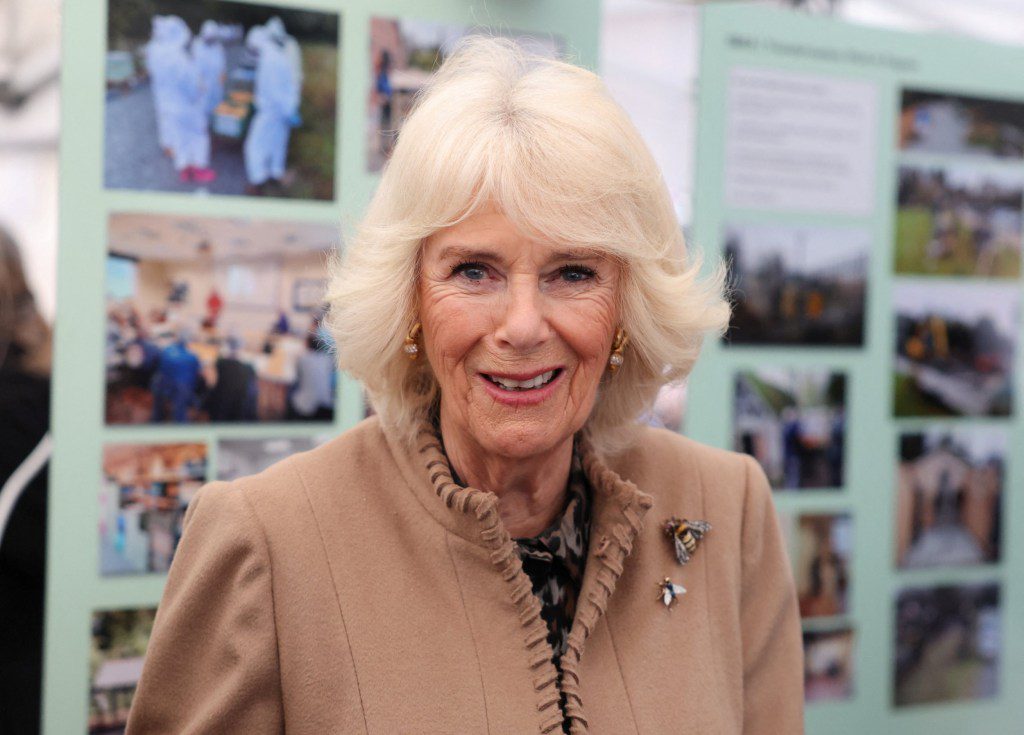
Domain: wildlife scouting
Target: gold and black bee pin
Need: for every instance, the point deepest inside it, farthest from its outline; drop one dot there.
(685, 535)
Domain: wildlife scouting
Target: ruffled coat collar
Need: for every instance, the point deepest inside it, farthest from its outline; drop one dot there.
(616, 517)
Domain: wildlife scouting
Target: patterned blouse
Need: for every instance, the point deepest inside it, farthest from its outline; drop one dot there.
(555, 558)
(554, 561)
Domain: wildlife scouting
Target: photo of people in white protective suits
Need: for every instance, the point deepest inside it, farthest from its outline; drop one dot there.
(212, 97)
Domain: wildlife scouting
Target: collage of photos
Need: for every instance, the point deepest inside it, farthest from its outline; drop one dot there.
(949, 497)
(213, 97)
(957, 242)
(404, 54)
(143, 496)
(217, 320)
(948, 644)
(955, 346)
(793, 422)
(118, 650)
(797, 286)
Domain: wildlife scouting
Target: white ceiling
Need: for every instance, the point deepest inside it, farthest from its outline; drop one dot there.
(179, 239)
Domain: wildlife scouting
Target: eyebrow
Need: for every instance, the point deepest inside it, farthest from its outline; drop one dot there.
(483, 252)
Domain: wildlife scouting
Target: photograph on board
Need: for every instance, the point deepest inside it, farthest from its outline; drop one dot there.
(954, 349)
(828, 664)
(242, 457)
(404, 54)
(946, 122)
(118, 650)
(821, 548)
(793, 422)
(959, 221)
(213, 97)
(217, 320)
(797, 285)
(948, 643)
(143, 496)
(949, 497)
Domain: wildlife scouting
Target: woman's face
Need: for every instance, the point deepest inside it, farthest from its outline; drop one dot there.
(518, 333)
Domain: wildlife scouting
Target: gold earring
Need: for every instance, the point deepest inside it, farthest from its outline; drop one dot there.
(411, 349)
(618, 346)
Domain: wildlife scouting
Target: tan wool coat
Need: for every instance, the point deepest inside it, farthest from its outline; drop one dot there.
(355, 589)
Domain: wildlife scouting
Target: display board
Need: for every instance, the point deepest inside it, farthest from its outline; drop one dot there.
(866, 188)
(213, 155)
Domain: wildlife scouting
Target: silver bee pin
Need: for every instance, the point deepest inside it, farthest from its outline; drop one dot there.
(669, 591)
(685, 535)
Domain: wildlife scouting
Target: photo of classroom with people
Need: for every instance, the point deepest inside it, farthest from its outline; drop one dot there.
(217, 320)
(221, 98)
(142, 500)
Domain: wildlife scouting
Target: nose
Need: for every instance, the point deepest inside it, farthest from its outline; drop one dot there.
(522, 323)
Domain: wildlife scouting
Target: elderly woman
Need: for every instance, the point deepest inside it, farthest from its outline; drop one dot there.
(505, 549)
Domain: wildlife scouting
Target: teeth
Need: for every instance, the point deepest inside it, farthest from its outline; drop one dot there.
(536, 382)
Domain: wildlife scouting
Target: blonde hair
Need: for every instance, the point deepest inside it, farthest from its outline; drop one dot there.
(543, 141)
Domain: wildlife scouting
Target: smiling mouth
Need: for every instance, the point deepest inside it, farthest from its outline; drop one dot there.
(538, 381)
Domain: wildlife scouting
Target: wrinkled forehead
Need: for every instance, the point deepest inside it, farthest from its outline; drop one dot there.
(488, 232)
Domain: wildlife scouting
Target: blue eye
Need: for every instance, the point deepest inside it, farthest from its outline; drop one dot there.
(472, 271)
(576, 273)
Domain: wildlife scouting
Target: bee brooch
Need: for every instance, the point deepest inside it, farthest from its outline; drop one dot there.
(668, 591)
(685, 535)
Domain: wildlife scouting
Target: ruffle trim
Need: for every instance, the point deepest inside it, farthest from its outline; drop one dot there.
(628, 505)
(614, 545)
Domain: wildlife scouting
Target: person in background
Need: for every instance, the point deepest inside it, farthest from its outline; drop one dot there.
(212, 61)
(276, 97)
(156, 66)
(176, 381)
(313, 396)
(234, 394)
(25, 358)
(281, 324)
(191, 126)
(293, 52)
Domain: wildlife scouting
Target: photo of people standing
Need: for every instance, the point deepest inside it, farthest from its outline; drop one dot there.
(220, 98)
(793, 422)
(217, 320)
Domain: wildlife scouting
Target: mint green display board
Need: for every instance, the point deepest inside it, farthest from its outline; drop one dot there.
(76, 588)
(804, 126)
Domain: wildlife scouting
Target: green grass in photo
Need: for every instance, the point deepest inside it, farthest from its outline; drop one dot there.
(914, 232)
(910, 401)
(313, 145)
